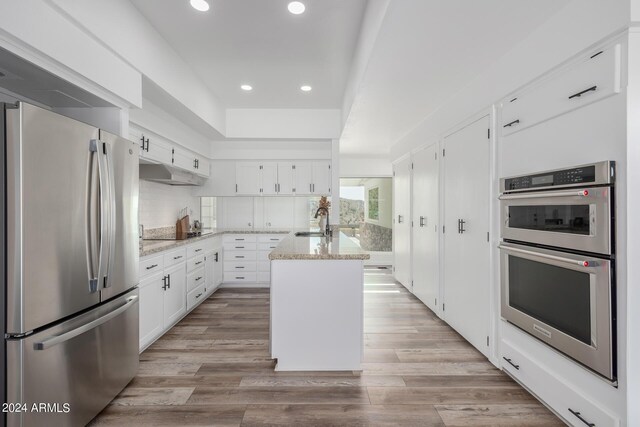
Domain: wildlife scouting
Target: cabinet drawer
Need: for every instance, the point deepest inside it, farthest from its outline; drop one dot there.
(232, 277)
(264, 266)
(195, 297)
(240, 266)
(271, 238)
(196, 249)
(195, 279)
(194, 263)
(175, 257)
(561, 397)
(239, 255)
(240, 246)
(232, 238)
(151, 265)
(595, 77)
(268, 246)
(264, 277)
(263, 255)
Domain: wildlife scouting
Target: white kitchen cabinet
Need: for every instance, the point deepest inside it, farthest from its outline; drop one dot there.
(174, 302)
(184, 159)
(248, 178)
(321, 177)
(152, 148)
(151, 308)
(269, 171)
(202, 166)
(303, 178)
(221, 182)
(278, 212)
(285, 178)
(402, 222)
(237, 212)
(424, 233)
(466, 263)
(593, 77)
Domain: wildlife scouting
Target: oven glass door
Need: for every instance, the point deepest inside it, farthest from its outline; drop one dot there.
(562, 299)
(577, 219)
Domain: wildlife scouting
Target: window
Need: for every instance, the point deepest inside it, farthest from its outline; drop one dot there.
(365, 212)
(208, 212)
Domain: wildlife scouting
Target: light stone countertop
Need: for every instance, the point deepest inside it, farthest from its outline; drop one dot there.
(150, 247)
(339, 247)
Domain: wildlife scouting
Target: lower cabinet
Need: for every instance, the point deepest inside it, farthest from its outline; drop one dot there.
(151, 308)
(174, 294)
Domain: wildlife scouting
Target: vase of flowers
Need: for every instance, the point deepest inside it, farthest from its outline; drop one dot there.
(323, 204)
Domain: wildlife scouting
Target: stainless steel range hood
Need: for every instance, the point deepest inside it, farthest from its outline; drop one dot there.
(169, 175)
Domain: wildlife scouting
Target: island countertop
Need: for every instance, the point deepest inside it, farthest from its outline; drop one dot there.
(338, 247)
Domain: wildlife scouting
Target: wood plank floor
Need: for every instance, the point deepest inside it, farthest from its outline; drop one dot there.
(213, 368)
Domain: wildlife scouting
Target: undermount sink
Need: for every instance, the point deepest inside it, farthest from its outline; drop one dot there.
(309, 234)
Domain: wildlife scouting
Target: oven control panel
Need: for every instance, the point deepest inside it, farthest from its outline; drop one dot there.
(565, 177)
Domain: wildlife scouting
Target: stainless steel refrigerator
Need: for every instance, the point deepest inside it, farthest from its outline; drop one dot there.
(70, 262)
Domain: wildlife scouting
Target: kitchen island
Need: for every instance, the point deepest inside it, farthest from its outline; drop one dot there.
(317, 303)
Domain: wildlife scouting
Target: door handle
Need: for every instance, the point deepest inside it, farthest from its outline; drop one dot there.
(216, 257)
(510, 362)
(573, 193)
(400, 219)
(151, 266)
(57, 339)
(581, 263)
(98, 147)
(164, 283)
(461, 223)
(579, 94)
(579, 416)
(422, 221)
(112, 212)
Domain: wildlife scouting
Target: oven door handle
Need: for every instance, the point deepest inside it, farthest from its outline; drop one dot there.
(582, 263)
(540, 195)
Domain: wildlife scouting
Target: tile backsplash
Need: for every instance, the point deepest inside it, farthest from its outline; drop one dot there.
(160, 204)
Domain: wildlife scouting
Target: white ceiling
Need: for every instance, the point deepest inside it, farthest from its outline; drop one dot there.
(260, 43)
(424, 53)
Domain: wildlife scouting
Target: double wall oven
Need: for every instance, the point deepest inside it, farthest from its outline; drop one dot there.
(557, 261)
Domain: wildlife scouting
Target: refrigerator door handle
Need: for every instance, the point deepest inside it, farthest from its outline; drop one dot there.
(92, 218)
(112, 212)
(104, 212)
(57, 339)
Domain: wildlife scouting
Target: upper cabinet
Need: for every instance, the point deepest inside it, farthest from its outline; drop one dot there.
(155, 149)
(283, 178)
(313, 177)
(595, 76)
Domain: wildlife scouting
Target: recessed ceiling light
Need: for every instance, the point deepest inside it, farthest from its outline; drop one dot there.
(246, 87)
(305, 88)
(296, 7)
(200, 5)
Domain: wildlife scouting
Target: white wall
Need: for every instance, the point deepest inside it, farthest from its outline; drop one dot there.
(283, 123)
(574, 28)
(122, 28)
(271, 150)
(39, 32)
(633, 230)
(359, 167)
(159, 204)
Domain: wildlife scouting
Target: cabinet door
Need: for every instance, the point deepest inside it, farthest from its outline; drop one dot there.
(285, 178)
(209, 266)
(321, 174)
(466, 263)
(402, 222)
(269, 178)
(151, 305)
(218, 269)
(248, 178)
(424, 232)
(303, 182)
(278, 212)
(202, 166)
(175, 296)
(184, 159)
(237, 212)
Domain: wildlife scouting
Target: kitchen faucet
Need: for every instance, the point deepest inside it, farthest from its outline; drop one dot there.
(327, 231)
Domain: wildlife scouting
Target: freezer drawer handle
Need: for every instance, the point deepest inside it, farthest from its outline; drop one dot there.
(57, 339)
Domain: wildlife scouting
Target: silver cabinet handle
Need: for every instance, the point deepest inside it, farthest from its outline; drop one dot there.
(579, 193)
(400, 219)
(582, 263)
(57, 339)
